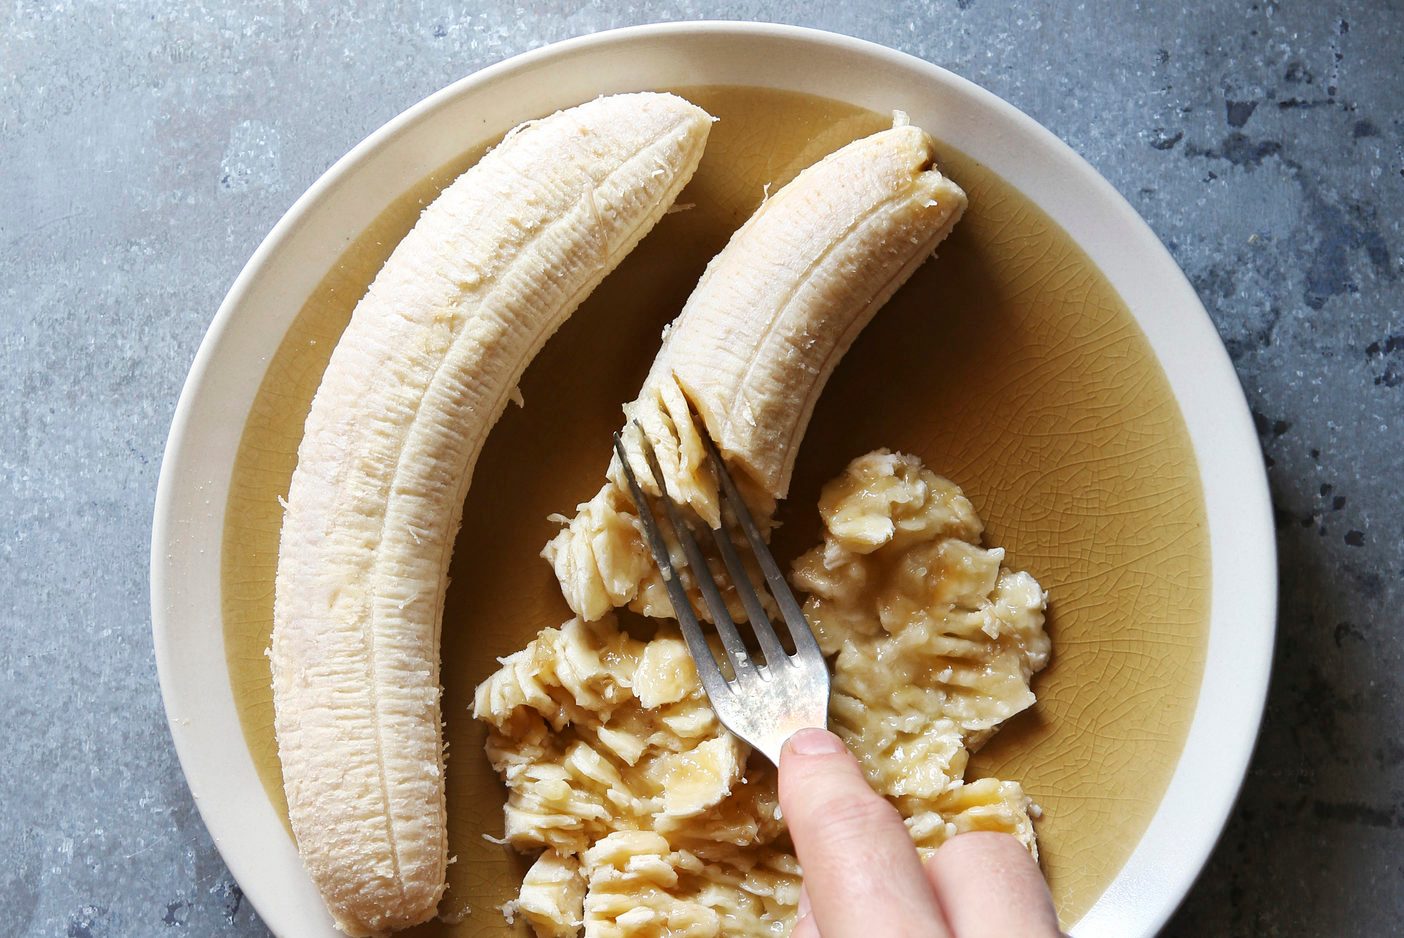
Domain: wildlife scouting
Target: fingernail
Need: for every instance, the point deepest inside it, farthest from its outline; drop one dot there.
(815, 742)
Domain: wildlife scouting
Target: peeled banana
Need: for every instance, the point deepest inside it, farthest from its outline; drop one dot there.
(421, 374)
(753, 347)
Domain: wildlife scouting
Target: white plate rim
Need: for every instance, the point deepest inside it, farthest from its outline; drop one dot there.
(193, 487)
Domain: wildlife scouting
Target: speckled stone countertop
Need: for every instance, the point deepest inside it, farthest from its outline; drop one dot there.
(147, 147)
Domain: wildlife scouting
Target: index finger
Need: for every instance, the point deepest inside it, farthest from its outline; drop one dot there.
(861, 871)
(989, 886)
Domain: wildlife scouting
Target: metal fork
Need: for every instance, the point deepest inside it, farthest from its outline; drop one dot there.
(765, 702)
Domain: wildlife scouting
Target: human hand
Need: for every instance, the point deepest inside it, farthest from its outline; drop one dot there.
(862, 875)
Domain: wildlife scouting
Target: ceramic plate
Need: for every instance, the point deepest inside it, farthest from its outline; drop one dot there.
(1052, 360)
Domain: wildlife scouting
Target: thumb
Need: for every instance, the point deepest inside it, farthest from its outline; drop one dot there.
(861, 871)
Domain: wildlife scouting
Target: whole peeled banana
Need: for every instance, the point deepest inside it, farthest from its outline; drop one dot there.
(752, 348)
(419, 377)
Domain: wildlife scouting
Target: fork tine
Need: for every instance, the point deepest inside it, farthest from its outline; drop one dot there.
(713, 681)
(731, 639)
(775, 654)
(805, 643)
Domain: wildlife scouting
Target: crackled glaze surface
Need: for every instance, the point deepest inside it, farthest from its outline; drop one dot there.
(1008, 364)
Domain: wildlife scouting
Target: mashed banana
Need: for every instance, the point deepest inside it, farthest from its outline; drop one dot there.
(649, 819)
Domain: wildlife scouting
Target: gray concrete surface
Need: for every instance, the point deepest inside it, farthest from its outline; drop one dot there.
(146, 147)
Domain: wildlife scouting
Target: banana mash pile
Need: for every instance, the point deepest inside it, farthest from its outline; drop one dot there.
(647, 815)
